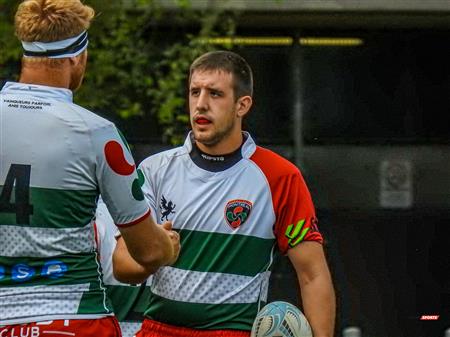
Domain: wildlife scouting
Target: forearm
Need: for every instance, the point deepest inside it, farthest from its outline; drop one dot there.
(126, 269)
(319, 304)
(148, 244)
(162, 251)
(316, 287)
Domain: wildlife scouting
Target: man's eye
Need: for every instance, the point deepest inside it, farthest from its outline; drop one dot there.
(215, 94)
(194, 92)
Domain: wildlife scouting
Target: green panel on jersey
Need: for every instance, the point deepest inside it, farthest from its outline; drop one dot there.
(125, 300)
(144, 299)
(58, 270)
(202, 316)
(93, 303)
(223, 253)
(53, 208)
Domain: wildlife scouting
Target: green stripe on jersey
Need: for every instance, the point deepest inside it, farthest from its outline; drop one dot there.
(58, 270)
(223, 253)
(92, 302)
(54, 208)
(202, 316)
(128, 300)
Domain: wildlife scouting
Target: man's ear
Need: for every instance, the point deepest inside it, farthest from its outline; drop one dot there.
(243, 105)
(74, 60)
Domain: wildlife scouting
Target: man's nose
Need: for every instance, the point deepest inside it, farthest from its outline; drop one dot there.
(202, 101)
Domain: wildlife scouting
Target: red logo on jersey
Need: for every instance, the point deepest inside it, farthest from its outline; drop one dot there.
(115, 157)
(237, 212)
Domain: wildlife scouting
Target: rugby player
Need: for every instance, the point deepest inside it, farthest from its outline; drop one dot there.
(234, 204)
(55, 160)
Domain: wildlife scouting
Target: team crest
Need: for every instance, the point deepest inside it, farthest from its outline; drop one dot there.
(237, 212)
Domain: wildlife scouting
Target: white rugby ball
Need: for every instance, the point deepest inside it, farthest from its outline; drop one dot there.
(280, 319)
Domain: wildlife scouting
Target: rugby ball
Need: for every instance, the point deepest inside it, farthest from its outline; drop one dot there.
(280, 319)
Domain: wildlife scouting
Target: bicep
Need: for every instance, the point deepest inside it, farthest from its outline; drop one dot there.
(308, 260)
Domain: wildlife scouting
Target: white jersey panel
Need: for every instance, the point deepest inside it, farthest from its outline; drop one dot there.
(106, 231)
(18, 241)
(57, 299)
(212, 288)
(45, 134)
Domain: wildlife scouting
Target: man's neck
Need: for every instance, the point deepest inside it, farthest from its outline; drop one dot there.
(42, 75)
(222, 148)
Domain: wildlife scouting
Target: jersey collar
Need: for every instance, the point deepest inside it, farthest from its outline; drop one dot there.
(60, 94)
(247, 149)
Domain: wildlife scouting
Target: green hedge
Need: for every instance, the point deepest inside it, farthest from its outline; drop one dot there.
(139, 55)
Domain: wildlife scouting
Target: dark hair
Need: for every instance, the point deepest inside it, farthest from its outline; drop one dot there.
(231, 63)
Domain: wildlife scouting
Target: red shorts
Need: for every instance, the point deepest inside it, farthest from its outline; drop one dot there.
(101, 327)
(152, 328)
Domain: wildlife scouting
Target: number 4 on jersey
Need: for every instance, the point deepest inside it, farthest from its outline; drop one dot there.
(20, 174)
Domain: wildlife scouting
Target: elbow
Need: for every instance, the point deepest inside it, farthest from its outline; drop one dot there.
(152, 262)
(152, 259)
(130, 278)
(132, 274)
(130, 269)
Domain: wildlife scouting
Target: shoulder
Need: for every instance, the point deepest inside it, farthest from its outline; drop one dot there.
(90, 119)
(161, 160)
(79, 121)
(272, 164)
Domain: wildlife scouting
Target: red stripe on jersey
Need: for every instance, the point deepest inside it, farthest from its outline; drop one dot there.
(132, 223)
(294, 210)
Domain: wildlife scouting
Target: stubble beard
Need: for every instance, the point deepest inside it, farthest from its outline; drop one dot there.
(215, 137)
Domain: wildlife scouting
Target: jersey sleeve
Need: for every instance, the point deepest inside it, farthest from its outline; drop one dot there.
(148, 187)
(296, 218)
(117, 177)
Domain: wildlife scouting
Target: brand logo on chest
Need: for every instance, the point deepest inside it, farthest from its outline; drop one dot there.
(237, 212)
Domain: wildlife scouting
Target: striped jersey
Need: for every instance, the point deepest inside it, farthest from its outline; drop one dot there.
(127, 300)
(55, 160)
(231, 223)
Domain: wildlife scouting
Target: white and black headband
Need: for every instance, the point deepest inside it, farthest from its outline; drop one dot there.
(58, 49)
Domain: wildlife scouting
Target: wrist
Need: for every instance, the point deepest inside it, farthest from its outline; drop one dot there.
(167, 248)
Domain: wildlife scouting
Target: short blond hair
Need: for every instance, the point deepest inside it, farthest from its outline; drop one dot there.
(51, 20)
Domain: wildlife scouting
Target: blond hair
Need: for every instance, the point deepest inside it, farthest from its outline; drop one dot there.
(51, 20)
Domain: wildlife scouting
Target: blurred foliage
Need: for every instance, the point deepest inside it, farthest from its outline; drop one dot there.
(139, 56)
(10, 49)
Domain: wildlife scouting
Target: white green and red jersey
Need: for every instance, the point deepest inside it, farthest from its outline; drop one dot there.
(55, 160)
(231, 222)
(128, 301)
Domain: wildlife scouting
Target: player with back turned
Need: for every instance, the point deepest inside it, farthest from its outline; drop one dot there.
(55, 160)
(234, 204)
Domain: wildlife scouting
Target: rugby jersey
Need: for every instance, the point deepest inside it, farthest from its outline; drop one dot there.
(55, 159)
(127, 300)
(231, 223)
